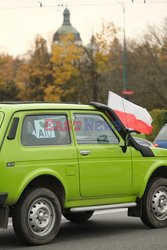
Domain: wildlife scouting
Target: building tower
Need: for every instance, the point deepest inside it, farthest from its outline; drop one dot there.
(67, 28)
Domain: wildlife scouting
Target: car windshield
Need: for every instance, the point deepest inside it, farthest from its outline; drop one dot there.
(162, 136)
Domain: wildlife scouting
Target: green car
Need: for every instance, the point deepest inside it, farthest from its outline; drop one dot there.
(71, 160)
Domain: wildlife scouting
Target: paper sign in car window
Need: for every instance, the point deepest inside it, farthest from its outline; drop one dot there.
(41, 131)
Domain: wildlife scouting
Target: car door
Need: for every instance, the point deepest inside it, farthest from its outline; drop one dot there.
(43, 145)
(104, 169)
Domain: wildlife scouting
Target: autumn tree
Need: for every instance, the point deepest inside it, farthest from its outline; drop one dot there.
(97, 63)
(71, 73)
(147, 67)
(36, 72)
(22, 79)
(65, 58)
(8, 88)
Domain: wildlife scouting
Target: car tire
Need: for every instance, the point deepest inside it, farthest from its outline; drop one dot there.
(78, 217)
(154, 205)
(37, 217)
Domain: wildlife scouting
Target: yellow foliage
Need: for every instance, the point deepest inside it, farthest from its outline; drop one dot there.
(6, 68)
(64, 60)
(53, 94)
(22, 77)
(107, 36)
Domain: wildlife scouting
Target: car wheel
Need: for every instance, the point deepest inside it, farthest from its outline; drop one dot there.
(78, 217)
(37, 217)
(154, 211)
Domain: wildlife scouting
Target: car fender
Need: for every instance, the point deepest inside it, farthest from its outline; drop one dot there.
(37, 173)
(149, 173)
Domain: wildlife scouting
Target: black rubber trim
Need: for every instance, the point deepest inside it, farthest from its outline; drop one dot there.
(4, 211)
(144, 150)
(13, 129)
(136, 211)
(3, 198)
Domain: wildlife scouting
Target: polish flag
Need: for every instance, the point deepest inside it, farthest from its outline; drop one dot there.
(132, 116)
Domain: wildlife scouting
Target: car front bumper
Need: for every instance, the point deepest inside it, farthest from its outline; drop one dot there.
(4, 211)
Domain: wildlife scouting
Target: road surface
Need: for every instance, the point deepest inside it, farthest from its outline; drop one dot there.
(105, 230)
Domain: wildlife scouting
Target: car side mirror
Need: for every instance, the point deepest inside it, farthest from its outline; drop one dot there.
(126, 141)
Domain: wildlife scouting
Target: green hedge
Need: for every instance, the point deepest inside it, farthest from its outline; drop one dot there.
(159, 119)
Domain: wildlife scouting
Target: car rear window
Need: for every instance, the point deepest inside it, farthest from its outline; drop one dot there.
(162, 136)
(36, 130)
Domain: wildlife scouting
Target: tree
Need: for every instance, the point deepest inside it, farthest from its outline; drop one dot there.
(65, 58)
(147, 66)
(8, 88)
(38, 72)
(97, 64)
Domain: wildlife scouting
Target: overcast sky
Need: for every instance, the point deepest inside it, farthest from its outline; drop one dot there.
(21, 20)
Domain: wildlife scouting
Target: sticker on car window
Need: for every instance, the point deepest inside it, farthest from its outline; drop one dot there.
(40, 131)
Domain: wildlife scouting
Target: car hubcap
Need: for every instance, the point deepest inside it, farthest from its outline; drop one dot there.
(159, 204)
(41, 217)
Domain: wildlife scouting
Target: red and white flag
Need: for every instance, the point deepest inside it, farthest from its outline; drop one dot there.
(132, 116)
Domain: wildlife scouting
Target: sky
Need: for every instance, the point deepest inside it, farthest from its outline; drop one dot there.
(22, 20)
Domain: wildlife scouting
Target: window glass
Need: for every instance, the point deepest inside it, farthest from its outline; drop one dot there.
(93, 129)
(45, 130)
(162, 136)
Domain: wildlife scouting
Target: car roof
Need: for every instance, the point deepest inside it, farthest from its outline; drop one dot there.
(20, 106)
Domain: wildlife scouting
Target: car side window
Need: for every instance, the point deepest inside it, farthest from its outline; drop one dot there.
(93, 129)
(45, 130)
